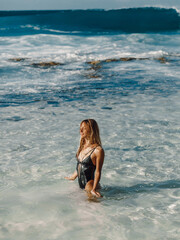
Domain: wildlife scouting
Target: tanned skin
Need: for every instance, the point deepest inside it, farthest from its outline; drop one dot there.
(97, 159)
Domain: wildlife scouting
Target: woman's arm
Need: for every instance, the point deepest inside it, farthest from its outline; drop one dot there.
(73, 176)
(99, 164)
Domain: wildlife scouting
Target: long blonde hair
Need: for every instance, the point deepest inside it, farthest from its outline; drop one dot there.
(94, 136)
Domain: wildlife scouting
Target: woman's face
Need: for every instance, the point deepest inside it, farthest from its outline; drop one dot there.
(84, 130)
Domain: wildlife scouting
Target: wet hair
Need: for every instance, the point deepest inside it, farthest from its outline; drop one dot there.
(94, 135)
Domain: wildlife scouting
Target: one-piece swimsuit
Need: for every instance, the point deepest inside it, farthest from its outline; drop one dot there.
(85, 170)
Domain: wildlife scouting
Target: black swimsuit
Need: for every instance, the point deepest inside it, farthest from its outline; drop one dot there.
(85, 170)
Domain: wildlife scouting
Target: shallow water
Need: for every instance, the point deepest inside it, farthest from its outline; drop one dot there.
(137, 106)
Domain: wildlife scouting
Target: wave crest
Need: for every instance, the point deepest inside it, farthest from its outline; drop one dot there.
(132, 20)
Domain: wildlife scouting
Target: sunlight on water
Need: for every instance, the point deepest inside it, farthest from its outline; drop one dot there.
(129, 83)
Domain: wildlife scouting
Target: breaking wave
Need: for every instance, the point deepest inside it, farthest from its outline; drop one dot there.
(132, 20)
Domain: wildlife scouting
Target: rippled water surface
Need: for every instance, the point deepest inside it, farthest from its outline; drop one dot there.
(137, 105)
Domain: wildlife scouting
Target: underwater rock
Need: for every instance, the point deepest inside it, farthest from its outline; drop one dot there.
(162, 59)
(98, 62)
(17, 59)
(94, 62)
(143, 58)
(95, 65)
(92, 75)
(111, 60)
(46, 64)
(126, 59)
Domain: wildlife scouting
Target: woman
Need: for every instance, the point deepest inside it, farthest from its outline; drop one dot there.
(90, 158)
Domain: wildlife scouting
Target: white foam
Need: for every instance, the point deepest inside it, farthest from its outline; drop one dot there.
(30, 26)
(139, 131)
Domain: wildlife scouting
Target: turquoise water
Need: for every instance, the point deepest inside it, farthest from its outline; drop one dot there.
(137, 106)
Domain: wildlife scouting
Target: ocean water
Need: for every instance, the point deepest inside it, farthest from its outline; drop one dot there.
(125, 77)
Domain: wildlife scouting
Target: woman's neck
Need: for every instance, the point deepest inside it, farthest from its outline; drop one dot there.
(87, 143)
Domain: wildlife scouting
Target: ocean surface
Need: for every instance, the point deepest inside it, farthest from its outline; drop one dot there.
(120, 67)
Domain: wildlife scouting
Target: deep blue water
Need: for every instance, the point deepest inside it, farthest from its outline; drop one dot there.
(133, 20)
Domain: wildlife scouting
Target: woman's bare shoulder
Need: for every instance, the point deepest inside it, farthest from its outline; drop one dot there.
(99, 150)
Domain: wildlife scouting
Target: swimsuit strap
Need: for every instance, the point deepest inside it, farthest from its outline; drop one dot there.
(88, 152)
(92, 150)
